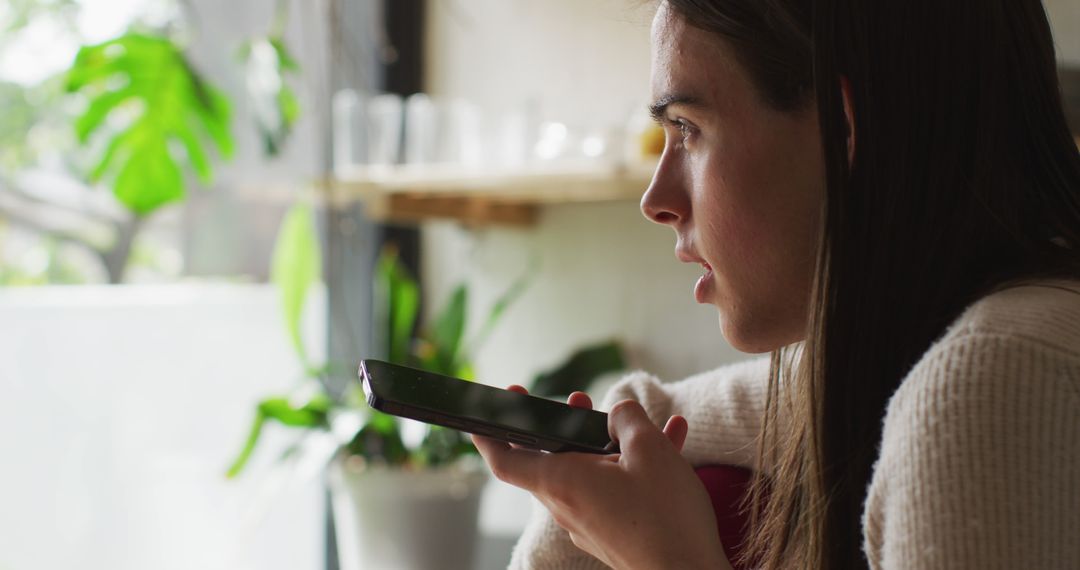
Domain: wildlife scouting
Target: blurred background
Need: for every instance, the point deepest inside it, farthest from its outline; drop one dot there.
(211, 211)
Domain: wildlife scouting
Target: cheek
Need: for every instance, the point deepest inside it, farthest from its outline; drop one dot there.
(753, 223)
(733, 217)
(733, 237)
(756, 212)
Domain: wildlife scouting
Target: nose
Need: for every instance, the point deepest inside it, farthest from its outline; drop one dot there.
(666, 201)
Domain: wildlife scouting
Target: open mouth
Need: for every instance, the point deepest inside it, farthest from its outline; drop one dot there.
(704, 286)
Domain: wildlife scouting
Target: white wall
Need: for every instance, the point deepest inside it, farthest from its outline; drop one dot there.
(1065, 19)
(605, 273)
(123, 406)
(583, 62)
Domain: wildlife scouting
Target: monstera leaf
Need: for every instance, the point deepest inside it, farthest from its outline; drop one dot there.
(165, 109)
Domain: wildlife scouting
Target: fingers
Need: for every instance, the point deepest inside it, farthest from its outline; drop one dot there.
(631, 427)
(580, 400)
(513, 465)
(626, 419)
(576, 399)
(676, 430)
(520, 390)
(479, 441)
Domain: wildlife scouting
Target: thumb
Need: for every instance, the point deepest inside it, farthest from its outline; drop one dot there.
(676, 430)
(630, 426)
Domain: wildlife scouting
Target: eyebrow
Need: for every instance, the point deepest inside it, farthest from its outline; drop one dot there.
(658, 109)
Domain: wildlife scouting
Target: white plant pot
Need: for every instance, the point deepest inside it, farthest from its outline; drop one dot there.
(394, 519)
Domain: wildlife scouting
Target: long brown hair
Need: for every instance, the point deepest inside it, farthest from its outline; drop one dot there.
(965, 179)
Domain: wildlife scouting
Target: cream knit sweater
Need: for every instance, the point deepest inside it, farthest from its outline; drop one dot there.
(979, 464)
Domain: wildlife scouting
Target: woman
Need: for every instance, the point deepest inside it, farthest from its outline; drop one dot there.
(884, 195)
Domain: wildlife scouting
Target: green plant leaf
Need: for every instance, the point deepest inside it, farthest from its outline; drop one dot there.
(296, 266)
(383, 423)
(379, 440)
(199, 162)
(447, 331)
(406, 304)
(313, 414)
(440, 349)
(580, 370)
(285, 58)
(212, 105)
(117, 142)
(148, 166)
(290, 106)
(147, 83)
(249, 446)
(274, 104)
(442, 446)
(465, 371)
(100, 108)
(397, 304)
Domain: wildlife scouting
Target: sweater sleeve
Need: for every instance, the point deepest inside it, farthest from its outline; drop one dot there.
(980, 460)
(723, 408)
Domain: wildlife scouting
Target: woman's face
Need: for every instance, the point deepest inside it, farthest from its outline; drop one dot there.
(740, 183)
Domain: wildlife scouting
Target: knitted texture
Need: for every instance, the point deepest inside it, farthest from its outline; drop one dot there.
(979, 463)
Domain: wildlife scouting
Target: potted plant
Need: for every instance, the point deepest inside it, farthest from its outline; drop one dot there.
(428, 489)
(401, 503)
(404, 494)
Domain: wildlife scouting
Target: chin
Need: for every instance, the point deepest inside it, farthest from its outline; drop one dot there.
(752, 339)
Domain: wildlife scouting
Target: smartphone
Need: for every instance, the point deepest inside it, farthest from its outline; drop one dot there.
(484, 410)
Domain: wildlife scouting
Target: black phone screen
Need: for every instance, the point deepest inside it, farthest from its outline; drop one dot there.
(477, 408)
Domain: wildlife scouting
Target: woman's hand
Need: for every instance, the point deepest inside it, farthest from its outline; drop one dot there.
(642, 508)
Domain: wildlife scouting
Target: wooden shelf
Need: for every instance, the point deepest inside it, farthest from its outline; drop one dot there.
(486, 197)
(480, 197)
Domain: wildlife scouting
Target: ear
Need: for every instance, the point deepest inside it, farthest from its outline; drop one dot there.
(849, 117)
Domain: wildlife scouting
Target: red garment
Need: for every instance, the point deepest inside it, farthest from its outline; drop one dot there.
(727, 486)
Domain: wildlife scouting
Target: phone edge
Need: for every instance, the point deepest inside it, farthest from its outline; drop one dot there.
(494, 431)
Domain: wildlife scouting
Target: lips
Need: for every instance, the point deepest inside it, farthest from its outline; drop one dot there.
(703, 289)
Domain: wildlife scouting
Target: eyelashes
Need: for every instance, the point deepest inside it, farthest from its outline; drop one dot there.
(685, 129)
(681, 126)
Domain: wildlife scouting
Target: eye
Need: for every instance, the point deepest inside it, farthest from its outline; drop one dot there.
(685, 129)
